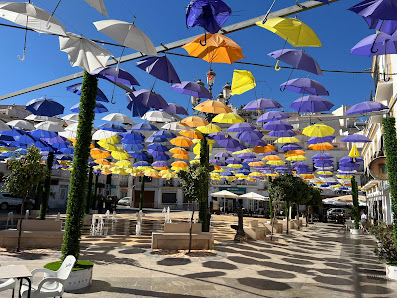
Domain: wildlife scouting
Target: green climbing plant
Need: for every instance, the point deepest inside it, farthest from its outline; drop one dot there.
(356, 208)
(47, 186)
(89, 191)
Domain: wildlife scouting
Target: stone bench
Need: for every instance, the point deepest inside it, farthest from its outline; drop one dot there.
(255, 232)
(35, 234)
(277, 227)
(176, 236)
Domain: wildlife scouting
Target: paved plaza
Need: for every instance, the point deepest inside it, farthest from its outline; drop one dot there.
(322, 260)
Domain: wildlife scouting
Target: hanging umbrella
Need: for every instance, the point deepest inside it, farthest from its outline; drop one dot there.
(376, 44)
(137, 109)
(291, 146)
(366, 107)
(272, 115)
(285, 140)
(157, 116)
(120, 154)
(318, 130)
(45, 107)
(386, 26)
(250, 137)
(192, 89)
(99, 154)
(112, 127)
(193, 121)
(71, 117)
(354, 152)
(218, 49)
(356, 138)
(277, 125)
(243, 80)
(159, 67)
(376, 9)
(305, 86)
(99, 108)
(316, 140)
(321, 146)
(322, 156)
(282, 133)
(173, 108)
(22, 124)
(213, 107)
(149, 99)
(311, 104)
(181, 141)
(140, 155)
(297, 59)
(116, 75)
(40, 134)
(76, 88)
(191, 134)
(83, 52)
(144, 126)
(240, 127)
(229, 118)
(49, 126)
(262, 104)
(127, 34)
(118, 117)
(68, 134)
(294, 31)
(103, 134)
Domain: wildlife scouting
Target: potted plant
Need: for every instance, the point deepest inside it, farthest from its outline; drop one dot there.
(385, 248)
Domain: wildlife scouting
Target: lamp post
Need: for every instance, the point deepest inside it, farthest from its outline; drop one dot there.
(227, 92)
(210, 79)
(220, 97)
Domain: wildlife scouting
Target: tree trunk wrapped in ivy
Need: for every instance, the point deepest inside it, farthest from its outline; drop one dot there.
(78, 179)
(47, 186)
(89, 191)
(390, 141)
(270, 200)
(142, 193)
(95, 199)
(356, 209)
(203, 200)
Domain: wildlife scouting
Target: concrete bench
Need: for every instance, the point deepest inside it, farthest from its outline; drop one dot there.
(176, 236)
(35, 234)
(277, 227)
(255, 232)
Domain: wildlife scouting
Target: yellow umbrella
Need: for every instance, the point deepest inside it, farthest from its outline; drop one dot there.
(195, 141)
(287, 140)
(181, 141)
(123, 163)
(110, 140)
(228, 118)
(324, 173)
(213, 107)
(193, 121)
(276, 162)
(242, 151)
(318, 130)
(191, 134)
(209, 128)
(243, 80)
(235, 166)
(176, 169)
(296, 158)
(297, 33)
(120, 154)
(194, 162)
(256, 174)
(354, 152)
(151, 173)
(344, 176)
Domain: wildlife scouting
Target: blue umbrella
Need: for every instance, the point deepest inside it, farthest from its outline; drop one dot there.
(249, 136)
(316, 140)
(67, 150)
(216, 162)
(305, 86)
(154, 139)
(63, 157)
(262, 104)
(366, 107)
(219, 136)
(175, 109)
(45, 107)
(376, 9)
(240, 127)
(55, 140)
(40, 134)
(99, 108)
(282, 133)
(132, 132)
(159, 67)
(277, 125)
(137, 109)
(141, 155)
(356, 138)
(192, 89)
(157, 147)
(149, 99)
(134, 147)
(58, 145)
(269, 153)
(322, 156)
(133, 138)
(26, 139)
(159, 164)
(112, 127)
(238, 147)
(76, 88)
(144, 126)
(164, 134)
(141, 164)
(6, 138)
(116, 74)
(158, 155)
(14, 132)
(272, 115)
(290, 146)
(312, 104)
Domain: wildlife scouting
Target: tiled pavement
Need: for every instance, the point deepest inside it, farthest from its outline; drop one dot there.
(320, 261)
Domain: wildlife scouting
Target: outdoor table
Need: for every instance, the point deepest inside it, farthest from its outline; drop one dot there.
(19, 272)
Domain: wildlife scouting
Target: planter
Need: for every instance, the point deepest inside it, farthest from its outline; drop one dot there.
(355, 231)
(391, 271)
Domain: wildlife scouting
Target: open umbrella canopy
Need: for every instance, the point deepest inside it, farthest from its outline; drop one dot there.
(356, 138)
(285, 140)
(39, 134)
(277, 125)
(144, 126)
(137, 109)
(321, 146)
(240, 127)
(157, 116)
(297, 59)
(376, 44)
(316, 140)
(209, 128)
(49, 126)
(305, 86)
(213, 107)
(99, 108)
(112, 127)
(272, 115)
(318, 130)
(218, 49)
(116, 75)
(193, 121)
(76, 88)
(376, 9)
(294, 31)
(311, 104)
(181, 141)
(291, 146)
(196, 89)
(22, 124)
(45, 107)
(229, 118)
(282, 133)
(322, 156)
(262, 104)
(159, 67)
(118, 117)
(191, 134)
(175, 109)
(366, 107)
(164, 134)
(243, 80)
(149, 99)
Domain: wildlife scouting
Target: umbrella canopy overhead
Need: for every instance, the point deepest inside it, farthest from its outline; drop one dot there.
(243, 80)
(294, 31)
(193, 121)
(376, 9)
(305, 86)
(45, 107)
(311, 104)
(366, 107)
(376, 44)
(318, 130)
(316, 140)
(272, 115)
(118, 117)
(49, 126)
(99, 108)
(117, 75)
(262, 104)
(297, 59)
(277, 125)
(159, 67)
(83, 52)
(112, 127)
(99, 6)
(127, 34)
(149, 99)
(224, 194)
(213, 107)
(76, 88)
(175, 109)
(22, 124)
(157, 116)
(356, 138)
(192, 89)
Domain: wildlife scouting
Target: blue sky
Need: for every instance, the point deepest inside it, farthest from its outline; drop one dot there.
(164, 21)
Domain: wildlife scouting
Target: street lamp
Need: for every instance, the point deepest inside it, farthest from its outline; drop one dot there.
(210, 79)
(227, 92)
(220, 97)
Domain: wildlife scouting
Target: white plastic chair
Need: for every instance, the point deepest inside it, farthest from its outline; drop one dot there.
(52, 284)
(7, 285)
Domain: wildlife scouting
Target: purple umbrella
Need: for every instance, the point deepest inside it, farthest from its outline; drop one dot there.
(117, 75)
(272, 115)
(323, 163)
(149, 99)
(356, 138)
(209, 14)
(311, 104)
(316, 140)
(291, 146)
(223, 154)
(216, 162)
(305, 86)
(281, 134)
(376, 9)
(249, 136)
(297, 59)
(322, 156)
(237, 147)
(175, 109)
(219, 136)
(366, 107)
(45, 107)
(233, 160)
(262, 104)
(348, 159)
(299, 164)
(246, 155)
(112, 127)
(240, 127)
(76, 88)
(192, 89)
(159, 67)
(164, 134)
(376, 44)
(157, 147)
(144, 126)
(269, 153)
(159, 164)
(277, 125)
(386, 26)
(137, 109)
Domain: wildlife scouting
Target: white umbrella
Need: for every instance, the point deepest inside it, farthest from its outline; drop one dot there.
(127, 34)
(224, 194)
(4, 127)
(83, 52)
(252, 196)
(68, 134)
(49, 126)
(37, 118)
(328, 179)
(157, 116)
(118, 117)
(22, 124)
(172, 126)
(103, 134)
(72, 127)
(71, 117)
(98, 5)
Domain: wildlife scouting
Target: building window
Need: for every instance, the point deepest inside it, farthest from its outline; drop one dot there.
(168, 198)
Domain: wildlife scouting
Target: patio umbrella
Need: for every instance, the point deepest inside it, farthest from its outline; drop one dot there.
(282, 133)
(366, 107)
(277, 125)
(49, 126)
(262, 104)
(311, 104)
(127, 34)
(297, 59)
(305, 86)
(99, 108)
(316, 140)
(192, 89)
(272, 115)
(112, 127)
(159, 67)
(149, 99)
(45, 107)
(252, 196)
(218, 49)
(22, 124)
(83, 52)
(157, 116)
(76, 88)
(213, 107)
(243, 80)
(118, 117)
(175, 109)
(116, 75)
(356, 138)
